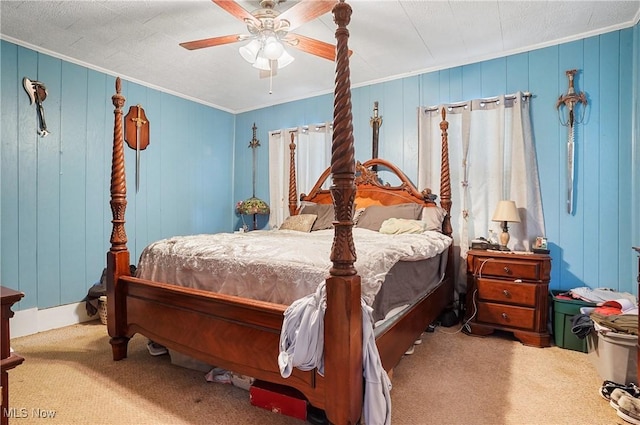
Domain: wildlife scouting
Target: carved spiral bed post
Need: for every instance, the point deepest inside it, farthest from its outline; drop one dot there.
(445, 202)
(118, 255)
(293, 184)
(445, 177)
(343, 317)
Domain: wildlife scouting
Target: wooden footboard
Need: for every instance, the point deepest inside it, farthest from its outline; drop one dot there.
(234, 333)
(241, 334)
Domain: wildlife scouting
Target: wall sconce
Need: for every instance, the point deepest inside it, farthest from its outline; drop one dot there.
(506, 212)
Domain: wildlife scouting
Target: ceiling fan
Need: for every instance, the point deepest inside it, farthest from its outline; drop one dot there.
(269, 30)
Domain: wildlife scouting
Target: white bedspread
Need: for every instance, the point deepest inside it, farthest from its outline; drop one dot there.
(278, 266)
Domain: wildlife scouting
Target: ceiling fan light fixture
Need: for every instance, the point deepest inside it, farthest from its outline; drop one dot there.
(285, 59)
(273, 49)
(262, 63)
(250, 51)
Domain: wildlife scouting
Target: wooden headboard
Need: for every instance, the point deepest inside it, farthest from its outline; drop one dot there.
(370, 190)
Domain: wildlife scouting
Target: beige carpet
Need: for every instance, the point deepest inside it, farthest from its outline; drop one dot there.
(450, 379)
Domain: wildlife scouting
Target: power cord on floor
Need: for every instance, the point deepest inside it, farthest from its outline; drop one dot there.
(465, 326)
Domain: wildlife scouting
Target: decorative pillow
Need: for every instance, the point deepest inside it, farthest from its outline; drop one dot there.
(396, 226)
(373, 216)
(325, 213)
(300, 222)
(433, 217)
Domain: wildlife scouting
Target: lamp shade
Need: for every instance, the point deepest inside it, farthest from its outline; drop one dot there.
(250, 51)
(506, 211)
(284, 59)
(262, 63)
(253, 205)
(272, 48)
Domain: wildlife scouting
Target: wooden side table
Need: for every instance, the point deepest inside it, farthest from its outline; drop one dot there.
(510, 292)
(8, 360)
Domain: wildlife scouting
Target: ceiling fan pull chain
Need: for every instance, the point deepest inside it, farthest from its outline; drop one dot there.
(270, 80)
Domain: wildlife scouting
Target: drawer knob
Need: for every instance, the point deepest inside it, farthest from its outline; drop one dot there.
(504, 316)
(507, 270)
(506, 293)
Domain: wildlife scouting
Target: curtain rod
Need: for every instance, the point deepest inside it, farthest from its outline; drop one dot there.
(525, 95)
(304, 128)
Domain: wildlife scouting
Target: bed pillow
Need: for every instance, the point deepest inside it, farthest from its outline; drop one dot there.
(396, 226)
(300, 222)
(325, 213)
(373, 216)
(356, 215)
(433, 217)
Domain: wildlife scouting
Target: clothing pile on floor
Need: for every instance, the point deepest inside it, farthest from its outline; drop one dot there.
(617, 311)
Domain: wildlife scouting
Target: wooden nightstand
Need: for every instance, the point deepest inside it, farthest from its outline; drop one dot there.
(8, 360)
(510, 292)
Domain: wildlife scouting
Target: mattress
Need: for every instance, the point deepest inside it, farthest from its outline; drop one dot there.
(406, 283)
(281, 266)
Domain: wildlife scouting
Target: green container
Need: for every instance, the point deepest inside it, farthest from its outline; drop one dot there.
(563, 311)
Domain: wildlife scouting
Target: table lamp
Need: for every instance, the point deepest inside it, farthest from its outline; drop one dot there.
(506, 212)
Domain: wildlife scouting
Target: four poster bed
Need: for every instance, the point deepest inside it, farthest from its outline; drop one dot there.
(241, 333)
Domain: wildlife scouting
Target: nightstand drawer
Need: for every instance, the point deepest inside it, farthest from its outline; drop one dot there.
(506, 315)
(509, 268)
(507, 292)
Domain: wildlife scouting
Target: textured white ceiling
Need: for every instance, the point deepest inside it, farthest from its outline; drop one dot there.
(138, 40)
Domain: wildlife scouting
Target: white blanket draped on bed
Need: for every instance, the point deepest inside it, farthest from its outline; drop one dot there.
(278, 266)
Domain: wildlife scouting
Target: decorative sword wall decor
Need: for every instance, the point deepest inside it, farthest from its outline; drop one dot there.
(37, 93)
(376, 122)
(570, 101)
(136, 134)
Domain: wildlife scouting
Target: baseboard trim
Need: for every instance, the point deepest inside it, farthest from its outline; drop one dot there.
(34, 320)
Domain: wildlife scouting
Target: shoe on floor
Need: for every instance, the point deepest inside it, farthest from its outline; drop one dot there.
(616, 395)
(156, 349)
(629, 409)
(609, 386)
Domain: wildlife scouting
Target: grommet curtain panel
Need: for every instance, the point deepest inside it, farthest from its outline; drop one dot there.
(313, 156)
(492, 157)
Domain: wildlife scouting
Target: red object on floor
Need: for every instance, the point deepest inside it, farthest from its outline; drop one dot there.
(279, 399)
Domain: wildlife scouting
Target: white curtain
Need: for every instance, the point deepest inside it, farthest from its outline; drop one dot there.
(492, 157)
(313, 156)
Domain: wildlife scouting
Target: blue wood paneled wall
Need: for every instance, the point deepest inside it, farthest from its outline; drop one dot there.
(55, 217)
(591, 247)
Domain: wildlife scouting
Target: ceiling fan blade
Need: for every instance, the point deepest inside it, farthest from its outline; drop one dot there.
(236, 10)
(210, 42)
(313, 46)
(305, 11)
